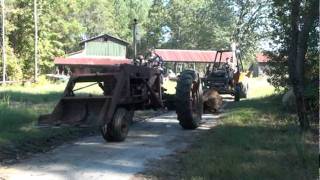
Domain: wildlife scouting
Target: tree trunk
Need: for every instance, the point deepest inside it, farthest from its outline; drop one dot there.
(297, 52)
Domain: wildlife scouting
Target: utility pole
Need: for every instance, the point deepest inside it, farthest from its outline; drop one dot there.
(3, 44)
(35, 41)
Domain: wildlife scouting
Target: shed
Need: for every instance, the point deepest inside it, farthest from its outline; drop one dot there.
(105, 45)
(101, 50)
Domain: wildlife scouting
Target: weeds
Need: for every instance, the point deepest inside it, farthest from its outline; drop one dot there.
(256, 139)
(20, 108)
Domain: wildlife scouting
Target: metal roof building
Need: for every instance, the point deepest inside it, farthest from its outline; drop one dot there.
(190, 56)
(199, 56)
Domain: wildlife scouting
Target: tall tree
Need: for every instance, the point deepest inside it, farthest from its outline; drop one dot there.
(251, 25)
(303, 16)
(194, 24)
(295, 58)
(97, 17)
(155, 24)
(125, 13)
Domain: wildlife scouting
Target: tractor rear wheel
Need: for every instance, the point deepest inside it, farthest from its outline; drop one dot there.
(117, 129)
(189, 105)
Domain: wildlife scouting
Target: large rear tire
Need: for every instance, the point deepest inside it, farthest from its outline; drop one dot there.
(117, 129)
(189, 104)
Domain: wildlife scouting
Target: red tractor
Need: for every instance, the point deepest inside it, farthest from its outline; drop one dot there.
(126, 88)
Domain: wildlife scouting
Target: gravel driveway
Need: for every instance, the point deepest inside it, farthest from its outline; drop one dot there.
(93, 158)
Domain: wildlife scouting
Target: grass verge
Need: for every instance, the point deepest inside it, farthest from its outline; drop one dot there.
(254, 140)
(19, 110)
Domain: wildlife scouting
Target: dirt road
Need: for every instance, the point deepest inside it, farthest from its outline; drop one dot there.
(93, 158)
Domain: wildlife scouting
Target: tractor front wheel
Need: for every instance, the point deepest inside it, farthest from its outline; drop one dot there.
(117, 129)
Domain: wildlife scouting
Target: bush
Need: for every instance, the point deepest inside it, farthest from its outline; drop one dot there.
(14, 71)
(279, 78)
(13, 66)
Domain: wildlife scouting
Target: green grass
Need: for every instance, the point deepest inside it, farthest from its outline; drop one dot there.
(259, 87)
(20, 108)
(255, 139)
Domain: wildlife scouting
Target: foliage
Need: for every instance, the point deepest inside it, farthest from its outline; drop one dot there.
(99, 11)
(154, 26)
(278, 66)
(280, 36)
(14, 70)
(191, 24)
(251, 26)
(58, 31)
(207, 24)
(62, 25)
(201, 24)
(278, 77)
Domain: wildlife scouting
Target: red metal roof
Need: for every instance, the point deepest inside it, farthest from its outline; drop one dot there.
(91, 61)
(176, 55)
(260, 57)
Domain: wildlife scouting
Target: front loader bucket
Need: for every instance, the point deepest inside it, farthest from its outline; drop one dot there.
(75, 111)
(83, 109)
